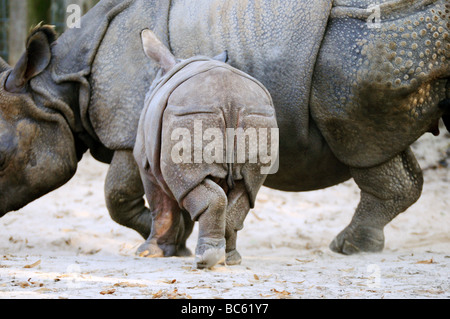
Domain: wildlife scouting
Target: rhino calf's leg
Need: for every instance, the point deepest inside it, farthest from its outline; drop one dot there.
(124, 194)
(386, 191)
(207, 204)
(237, 210)
(167, 223)
(169, 230)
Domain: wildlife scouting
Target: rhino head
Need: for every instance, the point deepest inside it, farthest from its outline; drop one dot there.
(37, 152)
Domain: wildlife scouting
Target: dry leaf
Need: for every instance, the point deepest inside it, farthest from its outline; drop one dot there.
(431, 261)
(170, 295)
(281, 294)
(429, 291)
(128, 284)
(108, 292)
(37, 263)
(157, 294)
(256, 277)
(41, 290)
(347, 270)
(24, 284)
(303, 261)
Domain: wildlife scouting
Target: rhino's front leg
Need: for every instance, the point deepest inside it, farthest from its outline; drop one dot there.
(386, 191)
(124, 194)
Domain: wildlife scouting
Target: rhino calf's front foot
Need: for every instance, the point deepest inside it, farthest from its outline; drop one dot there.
(209, 252)
(233, 258)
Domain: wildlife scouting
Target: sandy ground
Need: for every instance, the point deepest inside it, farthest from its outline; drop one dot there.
(65, 245)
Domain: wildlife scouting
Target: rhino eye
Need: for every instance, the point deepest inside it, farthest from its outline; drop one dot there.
(8, 146)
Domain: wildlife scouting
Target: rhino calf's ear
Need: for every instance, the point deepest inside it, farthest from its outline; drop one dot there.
(35, 59)
(223, 57)
(157, 51)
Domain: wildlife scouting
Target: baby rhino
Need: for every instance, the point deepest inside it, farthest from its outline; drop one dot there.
(207, 138)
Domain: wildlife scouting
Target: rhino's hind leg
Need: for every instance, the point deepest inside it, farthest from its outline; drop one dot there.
(207, 203)
(237, 210)
(386, 191)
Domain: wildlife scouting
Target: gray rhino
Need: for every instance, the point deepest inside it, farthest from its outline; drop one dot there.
(350, 97)
(196, 98)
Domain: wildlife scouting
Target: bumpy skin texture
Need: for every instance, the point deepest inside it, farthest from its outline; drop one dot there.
(386, 83)
(385, 87)
(348, 99)
(201, 90)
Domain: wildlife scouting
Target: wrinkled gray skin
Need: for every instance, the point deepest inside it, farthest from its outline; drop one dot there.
(217, 194)
(349, 100)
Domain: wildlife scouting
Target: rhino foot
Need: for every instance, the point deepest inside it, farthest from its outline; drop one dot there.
(233, 258)
(354, 240)
(183, 252)
(150, 249)
(209, 252)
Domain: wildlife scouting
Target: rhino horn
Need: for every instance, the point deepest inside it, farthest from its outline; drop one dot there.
(157, 51)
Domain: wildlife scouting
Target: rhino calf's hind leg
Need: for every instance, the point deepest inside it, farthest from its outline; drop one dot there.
(237, 210)
(207, 204)
(169, 229)
(386, 191)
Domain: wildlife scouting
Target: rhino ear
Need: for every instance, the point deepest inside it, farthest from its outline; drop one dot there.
(223, 57)
(157, 51)
(36, 58)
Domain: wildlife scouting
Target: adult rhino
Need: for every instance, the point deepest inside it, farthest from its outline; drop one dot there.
(349, 99)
